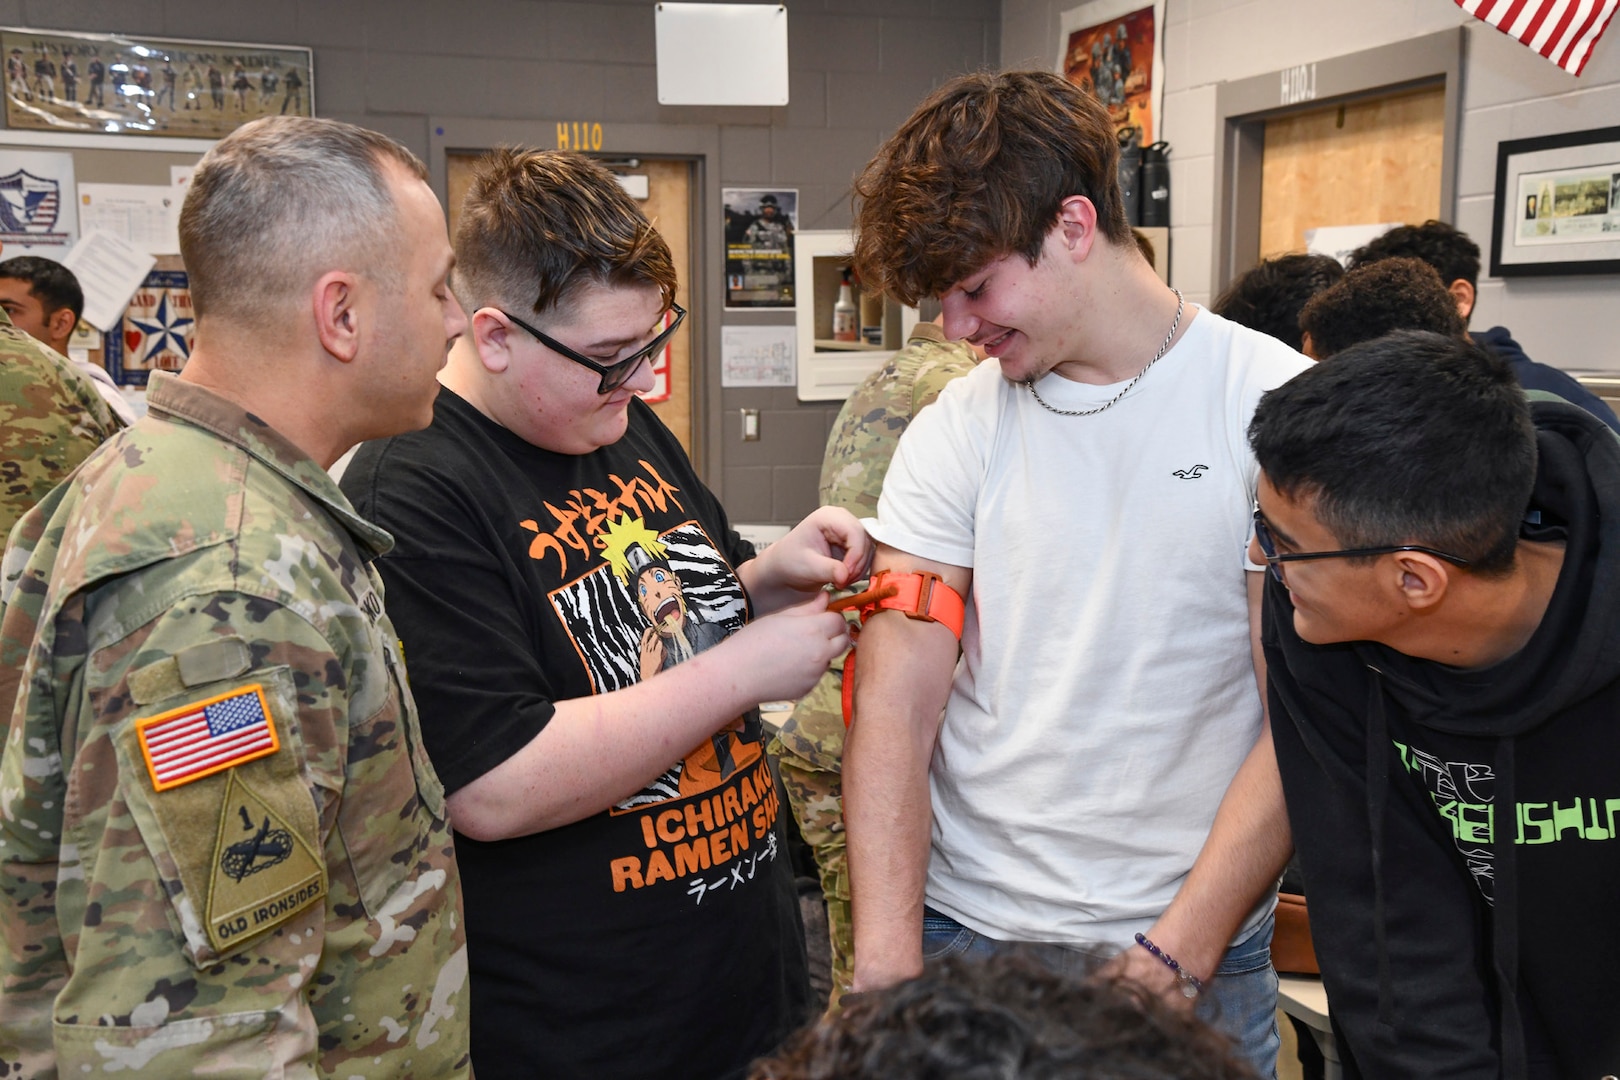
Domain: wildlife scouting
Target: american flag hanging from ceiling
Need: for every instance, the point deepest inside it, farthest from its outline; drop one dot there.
(1564, 31)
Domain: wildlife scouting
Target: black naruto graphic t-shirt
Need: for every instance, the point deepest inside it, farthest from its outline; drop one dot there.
(660, 937)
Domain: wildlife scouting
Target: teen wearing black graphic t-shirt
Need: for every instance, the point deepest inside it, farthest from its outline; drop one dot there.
(588, 639)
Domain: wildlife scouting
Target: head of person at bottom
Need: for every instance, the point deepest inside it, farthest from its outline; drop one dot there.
(1374, 300)
(1007, 1017)
(1270, 296)
(1394, 483)
(43, 299)
(319, 267)
(568, 286)
(1000, 196)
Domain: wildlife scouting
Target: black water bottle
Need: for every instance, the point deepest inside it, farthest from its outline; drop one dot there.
(1130, 172)
(1156, 186)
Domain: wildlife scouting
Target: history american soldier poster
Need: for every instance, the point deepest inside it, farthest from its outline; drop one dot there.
(115, 84)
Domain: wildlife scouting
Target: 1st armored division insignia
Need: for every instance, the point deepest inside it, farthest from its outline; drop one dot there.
(264, 873)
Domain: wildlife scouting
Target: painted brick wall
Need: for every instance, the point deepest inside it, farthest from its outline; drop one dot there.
(858, 67)
(1508, 93)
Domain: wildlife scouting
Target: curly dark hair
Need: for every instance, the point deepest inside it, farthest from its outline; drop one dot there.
(1369, 302)
(979, 171)
(1009, 1017)
(1269, 297)
(1445, 247)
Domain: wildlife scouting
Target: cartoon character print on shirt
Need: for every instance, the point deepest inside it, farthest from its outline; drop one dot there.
(654, 601)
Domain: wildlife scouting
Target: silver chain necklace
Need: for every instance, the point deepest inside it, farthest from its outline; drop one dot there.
(1168, 338)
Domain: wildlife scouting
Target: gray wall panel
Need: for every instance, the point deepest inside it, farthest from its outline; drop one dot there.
(1508, 92)
(857, 67)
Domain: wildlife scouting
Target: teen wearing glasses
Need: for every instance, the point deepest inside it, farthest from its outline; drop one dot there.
(1442, 636)
(588, 641)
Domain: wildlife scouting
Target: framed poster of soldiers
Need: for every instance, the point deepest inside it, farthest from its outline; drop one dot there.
(116, 84)
(759, 246)
(1114, 50)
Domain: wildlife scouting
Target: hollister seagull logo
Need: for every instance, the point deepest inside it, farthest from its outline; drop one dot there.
(1190, 474)
(29, 204)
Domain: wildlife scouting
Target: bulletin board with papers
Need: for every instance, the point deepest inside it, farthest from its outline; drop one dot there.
(107, 207)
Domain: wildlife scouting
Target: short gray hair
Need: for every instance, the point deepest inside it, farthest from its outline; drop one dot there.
(281, 201)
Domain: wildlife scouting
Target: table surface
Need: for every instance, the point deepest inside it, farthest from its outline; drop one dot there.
(1302, 996)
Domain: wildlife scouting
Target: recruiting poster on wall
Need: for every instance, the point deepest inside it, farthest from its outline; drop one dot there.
(37, 212)
(759, 246)
(1114, 49)
(119, 84)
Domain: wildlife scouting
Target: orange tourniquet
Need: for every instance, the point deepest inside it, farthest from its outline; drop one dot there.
(917, 595)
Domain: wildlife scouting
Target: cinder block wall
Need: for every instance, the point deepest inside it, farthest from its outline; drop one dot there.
(857, 68)
(1508, 93)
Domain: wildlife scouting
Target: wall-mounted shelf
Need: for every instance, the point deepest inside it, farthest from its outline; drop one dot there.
(828, 369)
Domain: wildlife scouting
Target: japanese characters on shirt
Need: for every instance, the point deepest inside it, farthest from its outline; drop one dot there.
(643, 587)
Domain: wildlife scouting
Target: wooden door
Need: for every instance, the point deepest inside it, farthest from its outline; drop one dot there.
(669, 207)
(1361, 163)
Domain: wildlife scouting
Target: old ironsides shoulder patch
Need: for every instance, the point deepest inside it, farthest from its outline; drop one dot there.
(263, 872)
(206, 737)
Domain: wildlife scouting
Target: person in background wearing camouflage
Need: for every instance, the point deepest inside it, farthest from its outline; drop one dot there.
(50, 419)
(811, 743)
(222, 849)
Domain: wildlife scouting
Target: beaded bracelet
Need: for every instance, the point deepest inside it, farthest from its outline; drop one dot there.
(1191, 985)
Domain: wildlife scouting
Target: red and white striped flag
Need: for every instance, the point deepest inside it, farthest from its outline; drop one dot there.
(202, 738)
(1564, 31)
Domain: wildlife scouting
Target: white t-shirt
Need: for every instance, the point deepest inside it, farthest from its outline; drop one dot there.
(1106, 693)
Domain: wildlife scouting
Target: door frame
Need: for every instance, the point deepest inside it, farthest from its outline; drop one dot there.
(697, 143)
(1243, 106)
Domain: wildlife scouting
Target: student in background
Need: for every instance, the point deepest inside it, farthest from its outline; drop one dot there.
(1270, 296)
(1455, 257)
(43, 298)
(1374, 300)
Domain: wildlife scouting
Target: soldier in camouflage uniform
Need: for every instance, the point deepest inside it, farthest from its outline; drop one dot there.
(811, 744)
(223, 851)
(50, 419)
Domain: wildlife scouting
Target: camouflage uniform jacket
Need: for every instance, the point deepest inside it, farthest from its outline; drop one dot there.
(292, 914)
(51, 417)
(859, 449)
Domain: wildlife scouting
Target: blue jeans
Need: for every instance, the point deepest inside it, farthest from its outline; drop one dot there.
(1241, 1001)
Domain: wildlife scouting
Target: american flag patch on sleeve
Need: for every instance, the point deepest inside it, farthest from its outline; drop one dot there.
(205, 737)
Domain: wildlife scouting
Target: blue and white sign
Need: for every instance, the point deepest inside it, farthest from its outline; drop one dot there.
(38, 215)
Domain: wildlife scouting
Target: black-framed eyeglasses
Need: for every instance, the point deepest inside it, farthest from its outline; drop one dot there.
(616, 374)
(1275, 559)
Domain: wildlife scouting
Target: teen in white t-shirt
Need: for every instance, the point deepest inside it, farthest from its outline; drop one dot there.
(1103, 769)
(1106, 695)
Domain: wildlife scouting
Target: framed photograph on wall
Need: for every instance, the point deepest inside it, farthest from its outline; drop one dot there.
(123, 85)
(1557, 205)
(1115, 50)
